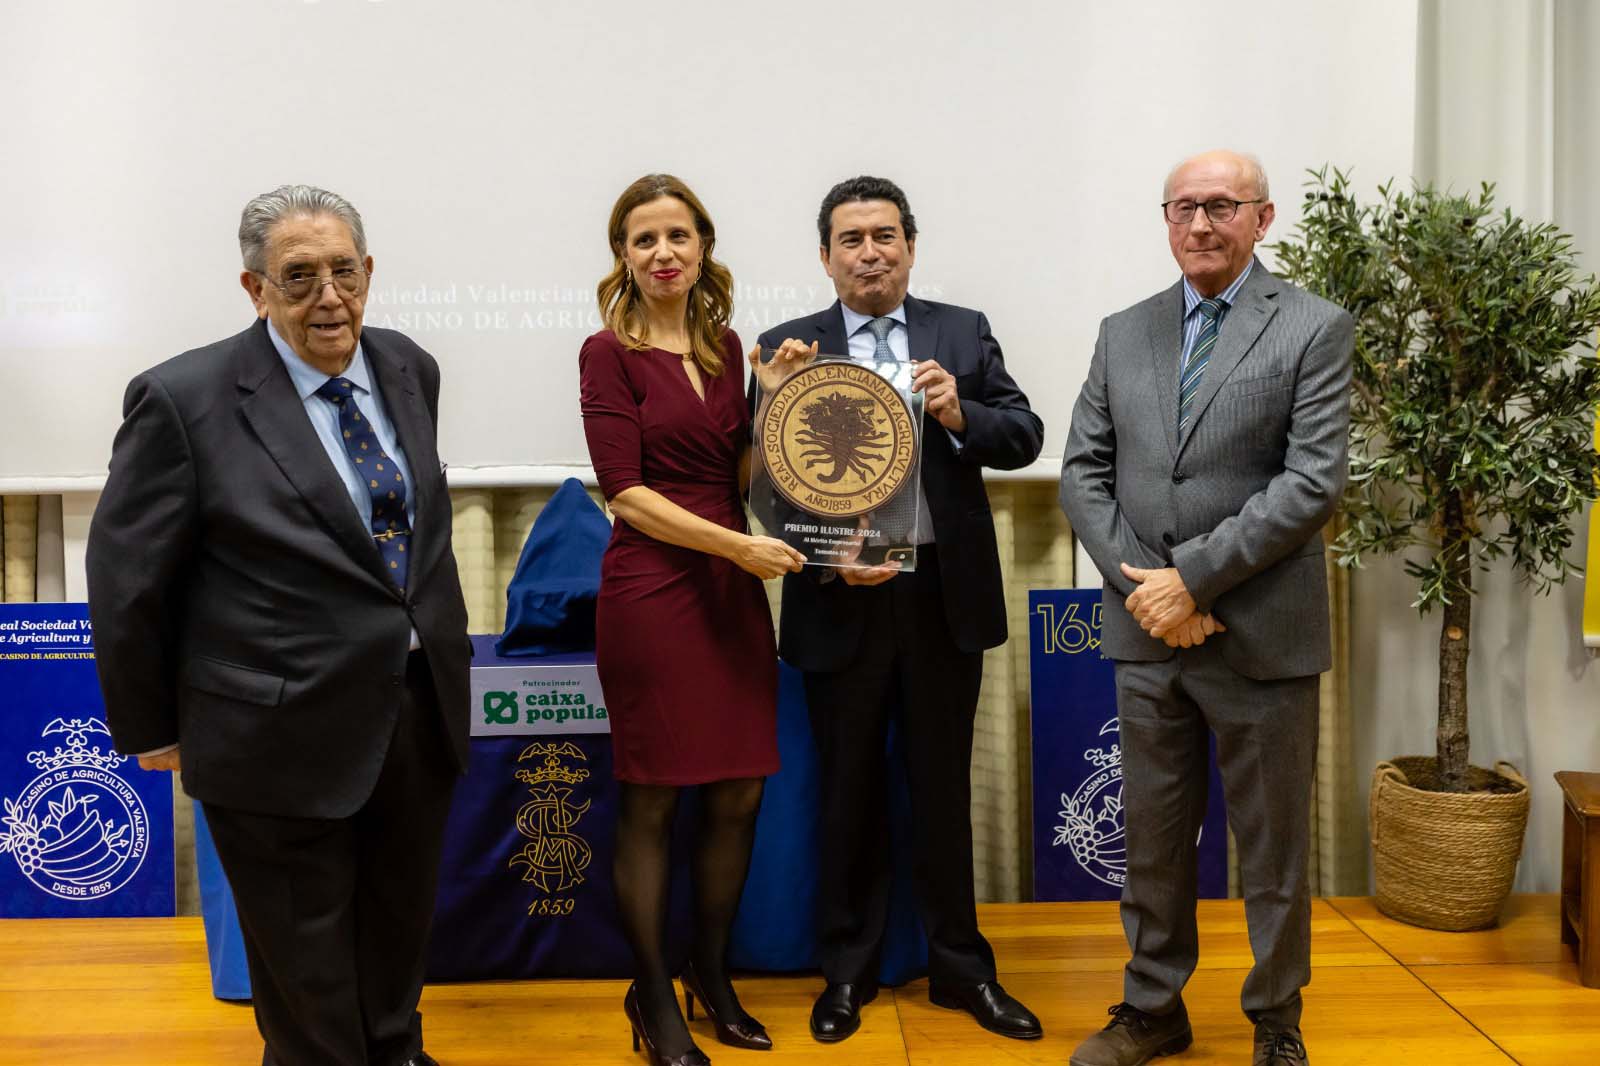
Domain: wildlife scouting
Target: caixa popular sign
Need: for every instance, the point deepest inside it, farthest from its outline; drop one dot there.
(84, 832)
(546, 694)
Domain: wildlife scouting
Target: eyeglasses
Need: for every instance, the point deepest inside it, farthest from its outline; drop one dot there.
(298, 285)
(1181, 212)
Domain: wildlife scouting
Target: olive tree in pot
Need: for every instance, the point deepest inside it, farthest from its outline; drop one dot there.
(1475, 386)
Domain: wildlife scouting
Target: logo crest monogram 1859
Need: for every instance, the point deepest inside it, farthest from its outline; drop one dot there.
(555, 857)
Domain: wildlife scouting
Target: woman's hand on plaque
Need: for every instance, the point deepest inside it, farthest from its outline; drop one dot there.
(767, 557)
(790, 356)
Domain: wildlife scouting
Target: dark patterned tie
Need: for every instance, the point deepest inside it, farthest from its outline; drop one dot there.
(1204, 341)
(386, 485)
(881, 327)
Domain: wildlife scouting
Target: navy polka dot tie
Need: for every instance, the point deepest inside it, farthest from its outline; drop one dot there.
(391, 528)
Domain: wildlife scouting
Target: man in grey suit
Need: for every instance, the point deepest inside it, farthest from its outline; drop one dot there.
(1207, 452)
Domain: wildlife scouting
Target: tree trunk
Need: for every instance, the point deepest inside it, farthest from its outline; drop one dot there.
(1454, 644)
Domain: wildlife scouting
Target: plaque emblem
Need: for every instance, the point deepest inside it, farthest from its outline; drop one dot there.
(1092, 821)
(838, 439)
(78, 831)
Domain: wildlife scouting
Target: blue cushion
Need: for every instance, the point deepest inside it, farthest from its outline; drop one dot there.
(550, 601)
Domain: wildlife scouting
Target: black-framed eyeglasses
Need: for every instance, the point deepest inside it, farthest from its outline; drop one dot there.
(298, 285)
(1181, 212)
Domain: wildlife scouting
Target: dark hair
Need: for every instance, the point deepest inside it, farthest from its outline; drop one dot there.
(864, 188)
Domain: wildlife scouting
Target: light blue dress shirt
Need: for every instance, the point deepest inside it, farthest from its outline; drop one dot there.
(325, 420)
(324, 417)
(862, 345)
(1192, 318)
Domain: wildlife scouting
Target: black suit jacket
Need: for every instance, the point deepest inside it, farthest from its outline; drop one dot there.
(240, 606)
(821, 624)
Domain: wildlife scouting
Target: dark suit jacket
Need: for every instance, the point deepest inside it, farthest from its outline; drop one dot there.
(1238, 502)
(240, 606)
(821, 625)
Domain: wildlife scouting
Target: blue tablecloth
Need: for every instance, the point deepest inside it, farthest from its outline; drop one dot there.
(525, 881)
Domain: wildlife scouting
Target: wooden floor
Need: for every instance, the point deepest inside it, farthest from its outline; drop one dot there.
(132, 992)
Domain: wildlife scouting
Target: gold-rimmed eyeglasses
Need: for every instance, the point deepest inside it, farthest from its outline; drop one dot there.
(299, 285)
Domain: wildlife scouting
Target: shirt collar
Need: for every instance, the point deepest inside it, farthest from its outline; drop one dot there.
(855, 321)
(1191, 298)
(307, 378)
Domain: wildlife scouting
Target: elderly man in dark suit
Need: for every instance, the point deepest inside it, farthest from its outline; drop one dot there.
(278, 616)
(1207, 451)
(875, 643)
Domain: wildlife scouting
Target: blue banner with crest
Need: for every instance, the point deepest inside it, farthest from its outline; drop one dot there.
(1078, 846)
(84, 832)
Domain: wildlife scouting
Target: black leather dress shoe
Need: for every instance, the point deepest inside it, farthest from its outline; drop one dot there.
(837, 1012)
(994, 1007)
(421, 1058)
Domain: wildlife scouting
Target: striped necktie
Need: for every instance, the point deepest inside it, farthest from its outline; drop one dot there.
(1204, 341)
(881, 327)
(385, 484)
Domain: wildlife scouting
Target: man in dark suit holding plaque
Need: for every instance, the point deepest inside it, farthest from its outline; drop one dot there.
(1207, 452)
(277, 615)
(876, 644)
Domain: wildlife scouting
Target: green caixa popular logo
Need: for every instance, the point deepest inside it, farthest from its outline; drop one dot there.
(500, 708)
(504, 708)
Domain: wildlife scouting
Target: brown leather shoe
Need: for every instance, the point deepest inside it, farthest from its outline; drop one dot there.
(1279, 1045)
(1133, 1037)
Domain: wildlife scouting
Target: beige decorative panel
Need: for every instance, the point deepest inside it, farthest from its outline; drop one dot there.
(1035, 553)
(19, 533)
(472, 534)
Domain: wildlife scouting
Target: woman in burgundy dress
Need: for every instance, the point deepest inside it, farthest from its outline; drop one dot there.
(684, 643)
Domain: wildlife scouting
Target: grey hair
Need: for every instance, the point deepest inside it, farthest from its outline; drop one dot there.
(287, 201)
(1252, 168)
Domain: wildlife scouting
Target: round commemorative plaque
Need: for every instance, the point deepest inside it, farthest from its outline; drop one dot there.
(838, 439)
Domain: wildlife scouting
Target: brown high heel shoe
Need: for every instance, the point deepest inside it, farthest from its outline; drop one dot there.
(630, 1006)
(743, 1032)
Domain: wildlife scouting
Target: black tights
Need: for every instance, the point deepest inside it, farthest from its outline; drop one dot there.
(643, 875)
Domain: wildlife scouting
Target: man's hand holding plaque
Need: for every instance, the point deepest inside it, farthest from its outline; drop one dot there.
(939, 399)
(853, 574)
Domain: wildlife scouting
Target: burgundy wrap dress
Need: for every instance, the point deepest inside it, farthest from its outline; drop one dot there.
(684, 642)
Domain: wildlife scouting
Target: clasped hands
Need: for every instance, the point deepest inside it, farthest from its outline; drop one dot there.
(1163, 608)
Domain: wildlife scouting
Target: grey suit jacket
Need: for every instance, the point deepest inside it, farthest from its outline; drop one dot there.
(1238, 501)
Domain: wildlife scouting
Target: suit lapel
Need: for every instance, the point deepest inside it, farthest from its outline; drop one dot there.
(831, 338)
(922, 330)
(1243, 324)
(413, 430)
(1164, 331)
(277, 416)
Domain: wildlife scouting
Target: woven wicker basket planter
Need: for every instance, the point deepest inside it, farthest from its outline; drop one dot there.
(1445, 860)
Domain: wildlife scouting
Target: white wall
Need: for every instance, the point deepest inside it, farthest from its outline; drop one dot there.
(485, 142)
